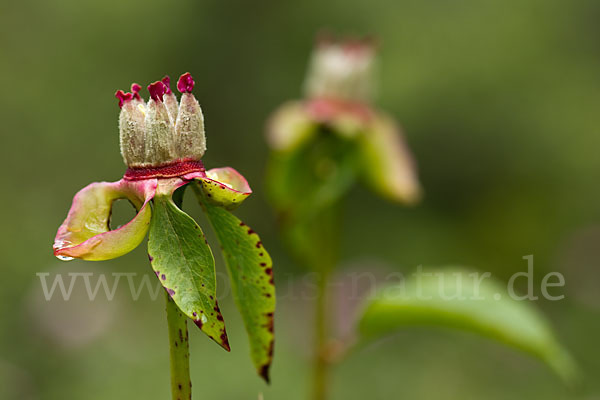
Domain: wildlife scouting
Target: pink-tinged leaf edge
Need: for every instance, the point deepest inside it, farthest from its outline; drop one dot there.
(86, 234)
(225, 187)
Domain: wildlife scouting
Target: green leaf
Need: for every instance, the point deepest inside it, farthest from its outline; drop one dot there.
(185, 266)
(251, 272)
(225, 187)
(450, 298)
(388, 167)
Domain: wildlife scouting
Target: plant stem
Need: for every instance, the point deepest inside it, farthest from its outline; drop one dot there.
(321, 362)
(181, 385)
(328, 233)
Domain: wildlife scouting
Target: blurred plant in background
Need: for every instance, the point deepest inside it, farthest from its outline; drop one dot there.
(321, 146)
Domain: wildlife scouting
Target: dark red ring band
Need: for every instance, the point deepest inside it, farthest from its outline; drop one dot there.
(175, 169)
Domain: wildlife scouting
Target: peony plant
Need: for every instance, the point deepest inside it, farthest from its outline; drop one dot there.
(162, 143)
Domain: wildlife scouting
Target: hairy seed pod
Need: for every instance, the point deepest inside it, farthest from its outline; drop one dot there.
(131, 128)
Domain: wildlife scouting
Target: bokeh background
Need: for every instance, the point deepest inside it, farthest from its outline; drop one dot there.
(499, 101)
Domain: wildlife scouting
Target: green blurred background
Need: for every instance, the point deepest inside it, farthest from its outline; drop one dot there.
(499, 101)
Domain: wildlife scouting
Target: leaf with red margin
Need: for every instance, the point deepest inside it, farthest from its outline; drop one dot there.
(251, 272)
(86, 233)
(225, 187)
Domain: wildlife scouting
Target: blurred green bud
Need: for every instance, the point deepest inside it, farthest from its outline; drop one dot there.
(338, 87)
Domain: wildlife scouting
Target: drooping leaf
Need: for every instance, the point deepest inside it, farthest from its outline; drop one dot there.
(184, 264)
(86, 233)
(452, 298)
(388, 167)
(251, 272)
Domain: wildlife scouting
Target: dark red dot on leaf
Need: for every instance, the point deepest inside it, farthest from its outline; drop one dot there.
(225, 341)
(264, 372)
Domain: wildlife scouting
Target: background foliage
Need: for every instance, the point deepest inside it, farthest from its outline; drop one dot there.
(499, 100)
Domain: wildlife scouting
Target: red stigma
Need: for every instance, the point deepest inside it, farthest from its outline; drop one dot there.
(185, 84)
(157, 90)
(123, 97)
(135, 89)
(167, 81)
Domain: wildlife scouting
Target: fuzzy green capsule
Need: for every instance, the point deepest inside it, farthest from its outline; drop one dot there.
(161, 132)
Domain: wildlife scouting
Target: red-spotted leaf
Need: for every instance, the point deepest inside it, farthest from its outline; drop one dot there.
(225, 187)
(251, 272)
(185, 266)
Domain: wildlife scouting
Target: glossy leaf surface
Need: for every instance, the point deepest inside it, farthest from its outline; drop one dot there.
(184, 264)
